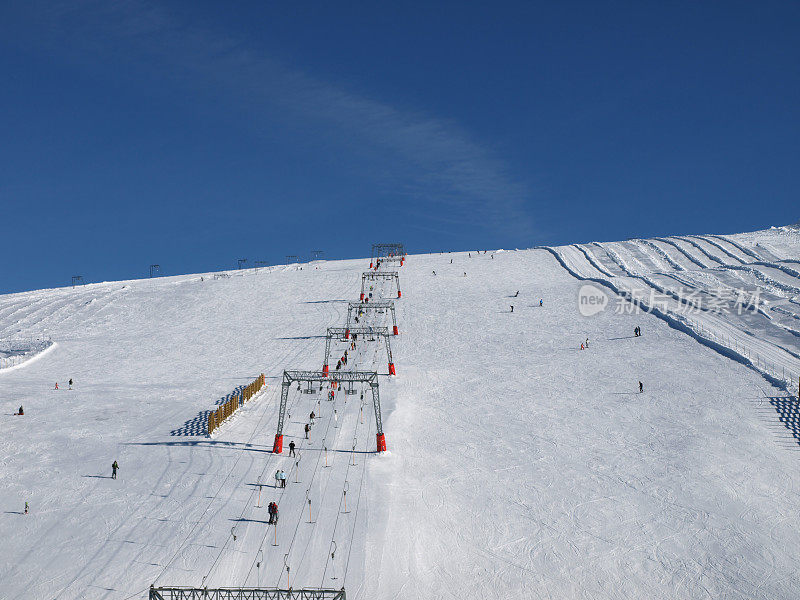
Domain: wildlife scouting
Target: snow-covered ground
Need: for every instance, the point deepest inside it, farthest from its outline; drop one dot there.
(518, 465)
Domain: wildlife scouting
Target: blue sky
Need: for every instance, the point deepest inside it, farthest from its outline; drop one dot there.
(191, 133)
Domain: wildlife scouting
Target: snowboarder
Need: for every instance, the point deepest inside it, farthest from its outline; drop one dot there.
(291, 448)
(641, 387)
(114, 467)
(20, 412)
(70, 383)
(307, 429)
(273, 513)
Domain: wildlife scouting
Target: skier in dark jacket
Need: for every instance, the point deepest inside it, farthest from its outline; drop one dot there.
(114, 467)
(307, 429)
(273, 513)
(641, 387)
(291, 448)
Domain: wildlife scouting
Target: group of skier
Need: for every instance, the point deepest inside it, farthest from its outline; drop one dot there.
(70, 384)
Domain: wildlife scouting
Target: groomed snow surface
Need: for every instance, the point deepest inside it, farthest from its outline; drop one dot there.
(519, 465)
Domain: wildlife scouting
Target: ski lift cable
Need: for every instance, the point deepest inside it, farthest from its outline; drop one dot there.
(256, 429)
(250, 497)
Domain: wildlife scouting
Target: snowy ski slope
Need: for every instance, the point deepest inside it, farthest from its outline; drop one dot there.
(518, 465)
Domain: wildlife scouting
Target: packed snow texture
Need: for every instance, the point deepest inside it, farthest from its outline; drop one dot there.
(518, 465)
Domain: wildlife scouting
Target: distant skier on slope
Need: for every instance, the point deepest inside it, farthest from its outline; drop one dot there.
(20, 412)
(540, 302)
(517, 294)
(114, 467)
(70, 383)
(291, 448)
(307, 428)
(512, 308)
(641, 387)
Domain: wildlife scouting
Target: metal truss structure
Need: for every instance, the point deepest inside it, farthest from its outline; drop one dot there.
(361, 307)
(188, 593)
(335, 378)
(362, 333)
(379, 275)
(381, 252)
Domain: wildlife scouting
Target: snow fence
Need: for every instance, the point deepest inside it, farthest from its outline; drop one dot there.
(218, 416)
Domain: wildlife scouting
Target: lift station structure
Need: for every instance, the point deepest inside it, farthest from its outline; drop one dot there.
(379, 276)
(362, 333)
(334, 379)
(361, 307)
(383, 252)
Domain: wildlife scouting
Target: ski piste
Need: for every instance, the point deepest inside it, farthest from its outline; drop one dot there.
(517, 465)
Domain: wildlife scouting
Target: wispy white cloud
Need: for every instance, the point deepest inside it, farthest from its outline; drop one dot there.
(432, 161)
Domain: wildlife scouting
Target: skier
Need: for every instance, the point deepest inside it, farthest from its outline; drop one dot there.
(291, 448)
(451, 261)
(465, 273)
(641, 387)
(540, 301)
(56, 385)
(307, 429)
(581, 346)
(587, 342)
(434, 272)
(70, 383)
(273, 513)
(517, 294)
(512, 308)
(470, 254)
(26, 508)
(114, 467)
(312, 415)
(21, 412)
